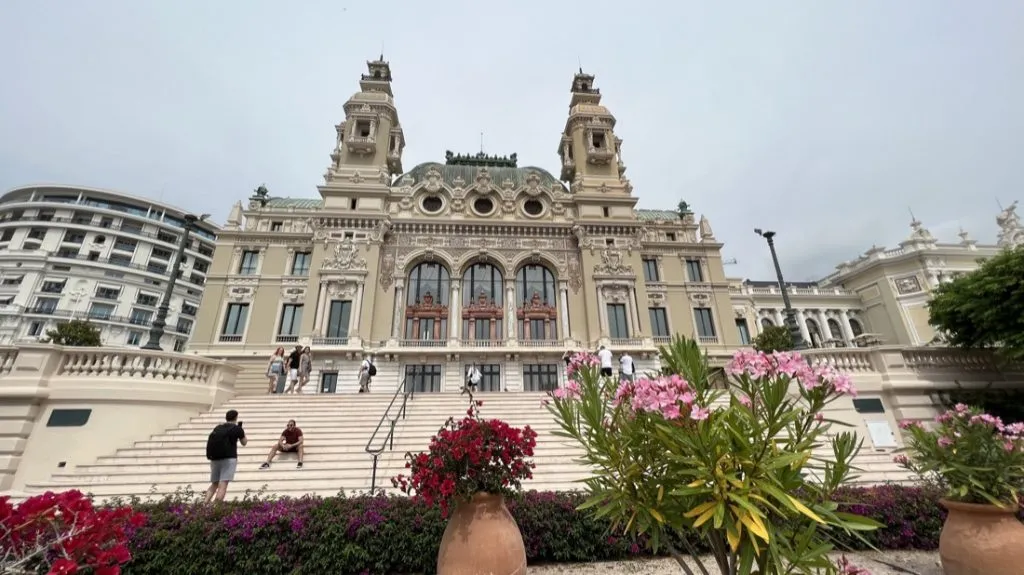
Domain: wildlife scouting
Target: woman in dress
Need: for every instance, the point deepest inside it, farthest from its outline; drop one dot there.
(275, 369)
(305, 368)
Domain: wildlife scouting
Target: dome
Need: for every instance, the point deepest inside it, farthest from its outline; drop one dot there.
(467, 168)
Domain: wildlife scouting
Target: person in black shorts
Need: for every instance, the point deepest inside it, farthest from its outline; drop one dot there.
(605, 355)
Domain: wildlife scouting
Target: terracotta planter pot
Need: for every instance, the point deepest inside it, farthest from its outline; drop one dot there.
(482, 538)
(981, 540)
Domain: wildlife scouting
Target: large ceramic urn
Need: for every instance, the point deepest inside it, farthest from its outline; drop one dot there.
(981, 540)
(482, 538)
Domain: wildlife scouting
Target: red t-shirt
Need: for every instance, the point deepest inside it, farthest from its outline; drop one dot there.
(292, 435)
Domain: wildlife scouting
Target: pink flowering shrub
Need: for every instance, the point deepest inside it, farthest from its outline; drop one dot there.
(971, 455)
(735, 468)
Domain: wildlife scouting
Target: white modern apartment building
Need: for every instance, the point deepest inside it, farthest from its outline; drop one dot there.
(68, 252)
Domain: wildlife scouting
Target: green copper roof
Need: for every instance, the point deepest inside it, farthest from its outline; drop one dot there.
(650, 215)
(297, 203)
(449, 173)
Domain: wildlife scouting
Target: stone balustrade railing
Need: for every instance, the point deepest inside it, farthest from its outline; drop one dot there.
(135, 364)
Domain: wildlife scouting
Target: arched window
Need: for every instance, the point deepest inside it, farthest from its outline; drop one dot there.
(856, 327)
(482, 301)
(835, 329)
(766, 323)
(537, 312)
(815, 333)
(426, 311)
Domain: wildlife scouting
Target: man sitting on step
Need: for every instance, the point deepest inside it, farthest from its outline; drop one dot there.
(291, 441)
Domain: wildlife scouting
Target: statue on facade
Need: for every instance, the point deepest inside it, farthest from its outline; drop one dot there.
(1010, 232)
(705, 229)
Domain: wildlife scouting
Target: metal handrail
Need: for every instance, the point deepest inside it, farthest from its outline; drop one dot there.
(388, 442)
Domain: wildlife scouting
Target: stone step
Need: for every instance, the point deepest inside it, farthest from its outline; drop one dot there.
(172, 456)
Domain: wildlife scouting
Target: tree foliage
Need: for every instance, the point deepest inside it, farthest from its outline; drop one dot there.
(76, 333)
(774, 338)
(985, 308)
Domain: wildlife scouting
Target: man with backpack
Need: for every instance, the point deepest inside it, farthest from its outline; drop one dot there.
(222, 451)
(366, 372)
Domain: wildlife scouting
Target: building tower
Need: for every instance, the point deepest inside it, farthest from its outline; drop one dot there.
(592, 155)
(368, 150)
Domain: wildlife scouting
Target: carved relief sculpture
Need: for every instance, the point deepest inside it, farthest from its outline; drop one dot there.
(345, 257)
(612, 264)
(907, 285)
(427, 315)
(483, 309)
(1010, 232)
(537, 310)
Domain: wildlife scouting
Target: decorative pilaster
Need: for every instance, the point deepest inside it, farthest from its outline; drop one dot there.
(844, 322)
(602, 314)
(801, 321)
(780, 320)
(563, 308)
(454, 312)
(397, 317)
(321, 301)
(634, 320)
(826, 332)
(510, 305)
(357, 312)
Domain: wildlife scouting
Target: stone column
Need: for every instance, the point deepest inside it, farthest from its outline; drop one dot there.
(780, 320)
(844, 322)
(321, 300)
(801, 321)
(454, 312)
(634, 320)
(357, 308)
(602, 314)
(563, 308)
(397, 317)
(510, 310)
(826, 333)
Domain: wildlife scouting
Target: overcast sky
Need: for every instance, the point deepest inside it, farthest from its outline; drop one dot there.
(824, 120)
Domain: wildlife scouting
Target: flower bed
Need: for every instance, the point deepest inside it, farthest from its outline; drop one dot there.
(401, 535)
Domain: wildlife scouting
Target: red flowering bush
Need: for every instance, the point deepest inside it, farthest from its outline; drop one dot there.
(64, 534)
(470, 456)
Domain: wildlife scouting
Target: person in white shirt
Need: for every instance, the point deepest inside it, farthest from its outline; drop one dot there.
(626, 367)
(366, 372)
(473, 377)
(605, 355)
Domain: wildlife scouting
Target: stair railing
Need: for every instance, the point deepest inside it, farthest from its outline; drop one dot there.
(376, 448)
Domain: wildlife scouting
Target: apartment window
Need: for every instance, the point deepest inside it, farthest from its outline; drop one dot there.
(7, 235)
(94, 256)
(540, 377)
(156, 268)
(82, 219)
(205, 250)
(45, 305)
(189, 309)
(618, 327)
(741, 326)
(291, 320)
(108, 292)
(329, 382)
(119, 260)
(300, 264)
(106, 222)
(29, 246)
(149, 300)
(101, 310)
(38, 234)
(6, 300)
(184, 326)
(659, 322)
(140, 316)
(705, 322)
(651, 270)
(605, 212)
(234, 322)
(670, 236)
(67, 253)
(68, 417)
(15, 281)
(73, 237)
(338, 318)
(125, 245)
(179, 345)
(276, 226)
(53, 286)
(250, 261)
(46, 215)
(694, 271)
(166, 237)
(201, 267)
(161, 253)
(134, 338)
(35, 329)
(131, 227)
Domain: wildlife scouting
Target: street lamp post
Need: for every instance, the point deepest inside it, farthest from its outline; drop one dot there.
(156, 331)
(790, 319)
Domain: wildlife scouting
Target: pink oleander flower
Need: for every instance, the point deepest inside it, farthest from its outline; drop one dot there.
(908, 423)
(570, 391)
(945, 442)
(901, 460)
(961, 408)
(700, 413)
(1008, 446)
(986, 419)
(744, 400)
(759, 365)
(847, 568)
(668, 395)
(579, 361)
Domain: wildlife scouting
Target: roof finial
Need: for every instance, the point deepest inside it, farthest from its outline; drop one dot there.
(1000, 204)
(481, 142)
(580, 62)
(912, 218)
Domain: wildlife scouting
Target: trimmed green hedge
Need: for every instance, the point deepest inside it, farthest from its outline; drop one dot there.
(400, 535)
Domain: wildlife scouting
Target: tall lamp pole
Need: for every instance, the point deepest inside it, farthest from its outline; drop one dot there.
(156, 331)
(790, 319)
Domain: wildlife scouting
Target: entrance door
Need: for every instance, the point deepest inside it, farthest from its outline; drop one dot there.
(423, 378)
(490, 376)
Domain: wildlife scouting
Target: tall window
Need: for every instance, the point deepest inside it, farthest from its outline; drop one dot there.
(705, 322)
(482, 303)
(694, 271)
(651, 270)
(426, 311)
(536, 296)
(856, 327)
(490, 376)
(423, 378)
(300, 263)
(540, 377)
(766, 323)
(659, 322)
(741, 326)
(235, 319)
(291, 320)
(329, 382)
(250, 261)
(338, 318)
(618, 326)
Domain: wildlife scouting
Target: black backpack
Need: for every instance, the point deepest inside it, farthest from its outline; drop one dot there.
(372, 370)
(218, 445)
